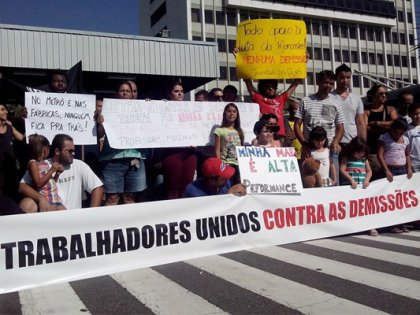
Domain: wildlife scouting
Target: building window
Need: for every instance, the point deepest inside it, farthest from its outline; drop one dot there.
(387, 36)
(389, 60)
(372, 59)
(222, 44)
(209, 39)
(394, 38)
(197, 38)
(310, 78)
(352, 32)
(380, 59)
(195, 15)
(354, 56)
(317, 53)
(327, 54)
(337, 55)
(223, 73)
(231, 18)
(402, 38)
(409, 17)
(220, 18)
(413, 62)
(356, 81)
(243, 16)
(343, 31)
(346, 56)
(366, 83)
(232, 44)
(370, 34)
(404, 62)
(400, 16)
(208, 16)
(158, 14)
(378, 35)
(362, 33)
(253, 15)
(232, 73)
(315, 29)
(397, 61)
(411, 39)
(364, 57)
(325, 30)
(336, 30)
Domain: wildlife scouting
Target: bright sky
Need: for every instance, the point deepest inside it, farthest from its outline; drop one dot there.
(110, 16)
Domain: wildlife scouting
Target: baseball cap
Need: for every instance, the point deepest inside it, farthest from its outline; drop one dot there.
(213, 167)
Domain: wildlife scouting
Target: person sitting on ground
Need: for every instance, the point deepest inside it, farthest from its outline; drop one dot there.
(215, 181)
(76, 178)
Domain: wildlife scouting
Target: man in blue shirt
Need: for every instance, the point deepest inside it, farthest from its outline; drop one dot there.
(215, 181)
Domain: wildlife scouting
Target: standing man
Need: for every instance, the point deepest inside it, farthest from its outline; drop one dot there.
(76, 178)
(321, 109)
(354, 122)
(405, 101)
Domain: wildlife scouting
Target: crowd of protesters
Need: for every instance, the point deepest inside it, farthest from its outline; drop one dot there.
(354, 143)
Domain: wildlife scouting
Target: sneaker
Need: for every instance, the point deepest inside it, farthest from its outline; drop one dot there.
(396, 230)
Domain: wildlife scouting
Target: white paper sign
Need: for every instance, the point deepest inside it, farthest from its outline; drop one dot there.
(269, 171)
(53, 113)
(131, 124)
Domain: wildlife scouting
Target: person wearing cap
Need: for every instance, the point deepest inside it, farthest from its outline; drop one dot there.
(265, 134)
(215, 181)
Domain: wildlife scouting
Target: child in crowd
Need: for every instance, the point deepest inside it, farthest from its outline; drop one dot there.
(43, 176)
(413, 135)
(394, 156)
(318, 144)
(265, 134)
(354, 166)
(227, 137)
(394, 151)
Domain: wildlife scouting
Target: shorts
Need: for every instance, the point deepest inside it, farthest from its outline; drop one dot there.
(120, 176)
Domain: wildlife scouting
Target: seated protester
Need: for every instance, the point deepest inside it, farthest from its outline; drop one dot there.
(76, 178)
(215, 181)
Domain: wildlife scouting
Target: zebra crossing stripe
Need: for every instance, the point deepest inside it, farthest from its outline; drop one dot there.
(54, 299)
(370, 252)
(405, 287)
(283, 291)
(163, 296)
(390, 240)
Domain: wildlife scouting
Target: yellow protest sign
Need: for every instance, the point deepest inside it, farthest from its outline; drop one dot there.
(271, 49)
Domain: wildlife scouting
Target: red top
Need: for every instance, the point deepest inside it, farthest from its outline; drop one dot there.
(272, 106)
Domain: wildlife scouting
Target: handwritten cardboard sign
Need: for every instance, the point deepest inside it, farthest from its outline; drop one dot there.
(269, 171)
(53, 113)
(133, 124)
(271, 49)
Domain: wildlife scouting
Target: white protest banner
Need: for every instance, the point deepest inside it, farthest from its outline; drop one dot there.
(54, 247)
(132, 124)
(53, 113)
(269, 170)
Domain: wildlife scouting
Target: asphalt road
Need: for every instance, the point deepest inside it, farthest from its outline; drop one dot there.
(355, 274)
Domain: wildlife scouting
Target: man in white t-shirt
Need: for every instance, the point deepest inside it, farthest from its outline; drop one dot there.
(76, 178)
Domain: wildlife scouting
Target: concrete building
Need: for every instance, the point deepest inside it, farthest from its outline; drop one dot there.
(374, 37)
(28, 54)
